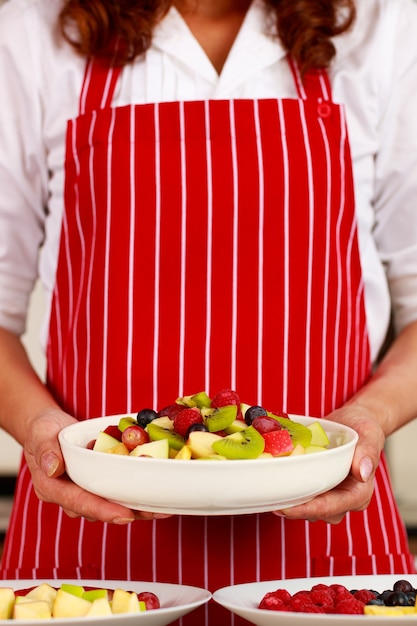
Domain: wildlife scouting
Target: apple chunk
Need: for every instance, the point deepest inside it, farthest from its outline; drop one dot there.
(44, 592)
(31, 610)
(126, 602)
(105, 442)
(69, 605)
(7, 597)
(158, 449)
(99, 606)
(201, 444)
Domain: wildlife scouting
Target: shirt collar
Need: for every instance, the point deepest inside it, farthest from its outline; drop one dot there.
(256, 46)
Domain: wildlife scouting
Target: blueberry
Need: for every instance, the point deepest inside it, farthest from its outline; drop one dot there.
(145, 416)
(376, 601)
(252, 412)
(396, 598)
(194, 427)
(411, 595)
(403, 585)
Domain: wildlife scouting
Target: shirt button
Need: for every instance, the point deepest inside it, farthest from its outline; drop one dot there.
(324, 109)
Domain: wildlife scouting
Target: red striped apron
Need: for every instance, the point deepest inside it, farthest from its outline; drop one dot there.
(204, 245)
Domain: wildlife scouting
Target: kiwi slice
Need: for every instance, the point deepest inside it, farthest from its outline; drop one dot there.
(199, 399)
(221, 418)
(246, 444)
(298, 432)
(156, 433)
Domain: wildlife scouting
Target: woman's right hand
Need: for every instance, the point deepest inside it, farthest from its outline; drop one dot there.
(51, 484)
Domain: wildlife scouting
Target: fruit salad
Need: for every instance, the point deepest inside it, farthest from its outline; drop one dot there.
(218, 428)
(70, 600)
(337, 599)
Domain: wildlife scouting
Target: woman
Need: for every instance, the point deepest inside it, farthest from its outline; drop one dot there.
(201, 227)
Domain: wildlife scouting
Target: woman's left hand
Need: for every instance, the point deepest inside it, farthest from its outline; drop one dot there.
(355, 492)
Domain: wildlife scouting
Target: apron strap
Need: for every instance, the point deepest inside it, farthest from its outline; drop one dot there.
(98, 86)
(315, 85)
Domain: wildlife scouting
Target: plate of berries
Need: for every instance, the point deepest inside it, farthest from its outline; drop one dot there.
(206, 455)
(338, 600)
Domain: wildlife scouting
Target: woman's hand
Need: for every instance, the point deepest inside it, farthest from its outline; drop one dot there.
(51, 484)
(355, 492)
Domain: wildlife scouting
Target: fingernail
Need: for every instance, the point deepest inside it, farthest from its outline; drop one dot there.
(162, 515)
(50, 463)
(279, 513)
(121, 521)
(366, 468)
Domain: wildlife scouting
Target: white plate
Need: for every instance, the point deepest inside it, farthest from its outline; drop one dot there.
(244, 599)
(176, 601)
(205, 487)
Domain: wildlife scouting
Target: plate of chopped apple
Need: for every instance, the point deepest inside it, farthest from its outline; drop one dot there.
(206, 455)
(121, 603)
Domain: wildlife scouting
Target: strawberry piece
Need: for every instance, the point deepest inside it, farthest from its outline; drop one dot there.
(186, 418)
(278, 442)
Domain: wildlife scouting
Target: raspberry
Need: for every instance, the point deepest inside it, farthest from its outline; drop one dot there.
(274, 601)
(186, 418)
(225, 397)
(350, 607)
(341, 593)
(364, 595)
(323, 598)
(301, 603)
(283, 595)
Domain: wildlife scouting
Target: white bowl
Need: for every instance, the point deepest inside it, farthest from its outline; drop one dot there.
(206, 487)
(244, 599)
(176, 601)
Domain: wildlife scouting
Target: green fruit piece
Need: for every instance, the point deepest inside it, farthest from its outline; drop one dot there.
(312, 449)
(244, 407)
(186, 401)
(221, 418)
(125, 422)
(201, 400)
(235, 427)
(246, 444)
(75, 590)
(298, 432)
(94, 594)
(318, 435)
(156, 433)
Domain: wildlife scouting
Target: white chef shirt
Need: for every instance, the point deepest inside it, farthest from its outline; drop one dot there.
(374, 76)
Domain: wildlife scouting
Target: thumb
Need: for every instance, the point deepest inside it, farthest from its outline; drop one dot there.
(42, 442)
(52, 464)
(366, 468)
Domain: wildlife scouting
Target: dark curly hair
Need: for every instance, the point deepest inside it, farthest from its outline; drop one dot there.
(305, 27)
